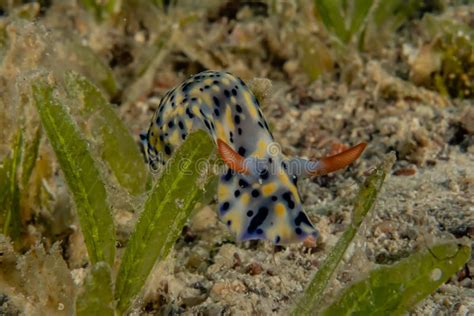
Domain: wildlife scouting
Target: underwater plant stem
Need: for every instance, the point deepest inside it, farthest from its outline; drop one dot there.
(312, 297)
(166, 210)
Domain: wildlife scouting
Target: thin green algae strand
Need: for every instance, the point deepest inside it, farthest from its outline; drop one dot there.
(81, 173)
(168, 206)
(394, 289)
(97, 296)
(115, 143)
(312, 297)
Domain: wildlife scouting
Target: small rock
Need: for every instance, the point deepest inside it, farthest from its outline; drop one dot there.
(405, 172)
(203, 219)
(195, 261)
(254, 268)
(463, 273)
(224, 259)
(467, 119)
(310, 242)
(194, 300)
(225, 288)
(237, 260)
(466, 283)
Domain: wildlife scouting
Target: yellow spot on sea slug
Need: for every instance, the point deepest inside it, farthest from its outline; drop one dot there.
(244, 199)
(261, 148)
(280, 209)
(220, 131)
(268, 189)
(223, 191)
(195, 110)
(174, 139)
(206, 98)
(225, 81)
(189, 124)
(228, 117)
(250, 105)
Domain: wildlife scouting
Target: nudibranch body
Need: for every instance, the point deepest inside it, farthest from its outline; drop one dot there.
(257, 195)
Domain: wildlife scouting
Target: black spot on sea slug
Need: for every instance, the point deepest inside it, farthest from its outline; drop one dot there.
(228, 175)
(229, 222)
(259, 231)
(234, 92)
(238, 108)
(239, 131)
(249, 213)
(243, 183)
(237, 119)
(167, 150)
(298, 231)
(227, 93)
(274, 198)
(189, 114)
(302, 218)
(256, 101)
(294, 179)
(277, 239)
(225, 206)
(266, 125)
(287, 197)
(255, 193)
(242, 151)
(216, 101)
(264, 174)
(257, 220)
(181, 125)
(186, 87)
(236, 193)
(170, 124)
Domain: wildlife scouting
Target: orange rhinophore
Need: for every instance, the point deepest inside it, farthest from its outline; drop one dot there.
(338, 161)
